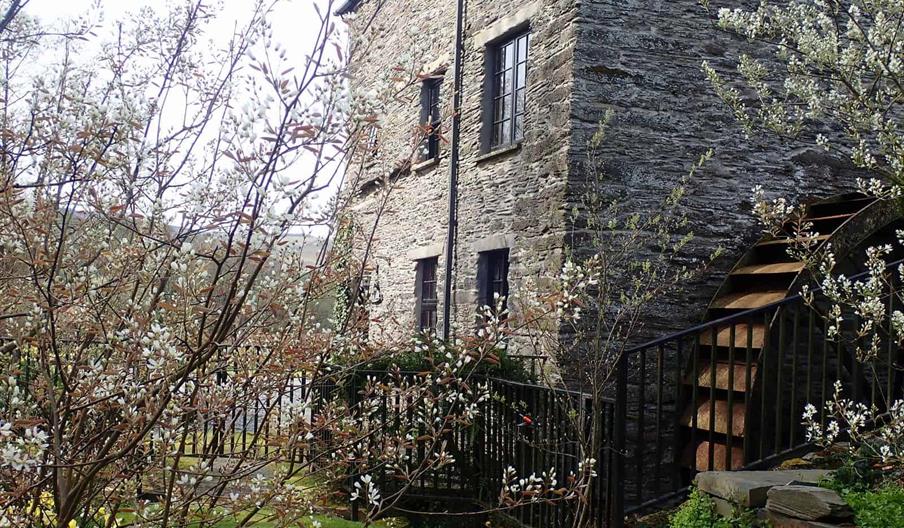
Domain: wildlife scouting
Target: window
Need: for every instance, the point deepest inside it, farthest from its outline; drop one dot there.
(425, 292)
(492, 278)
(509, 63)
(430, 118)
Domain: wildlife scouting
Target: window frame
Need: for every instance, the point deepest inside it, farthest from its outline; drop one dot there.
(427, 294)
(507, 89)
(493, 277)
(431, 118)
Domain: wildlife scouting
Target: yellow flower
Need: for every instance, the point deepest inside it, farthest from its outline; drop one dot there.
(73, 524)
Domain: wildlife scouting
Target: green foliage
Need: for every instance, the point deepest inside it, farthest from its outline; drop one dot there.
(882, 507)
(420, 359)
(699, 511)
(855, 474)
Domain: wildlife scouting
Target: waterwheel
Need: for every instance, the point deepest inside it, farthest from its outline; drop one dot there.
(728, 407)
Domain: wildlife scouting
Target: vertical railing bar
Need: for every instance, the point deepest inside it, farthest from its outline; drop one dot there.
(617, 515)
(811, 330)
(792, 404)
(712, 398)
(763, 370)
(889, 363)
(641, 425)
(825, 371)
(660, 365)
(748, 388)
(730, 389)
(677, 453)
(779, 388)
(695, 396)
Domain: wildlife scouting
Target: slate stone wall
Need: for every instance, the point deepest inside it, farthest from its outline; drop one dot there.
(641, 59)
(511, 199)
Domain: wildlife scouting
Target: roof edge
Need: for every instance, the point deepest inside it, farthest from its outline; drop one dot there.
(347, 7)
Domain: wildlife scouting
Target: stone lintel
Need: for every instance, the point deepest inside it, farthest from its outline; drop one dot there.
(506, 25)
(424, 252)
(493, 242)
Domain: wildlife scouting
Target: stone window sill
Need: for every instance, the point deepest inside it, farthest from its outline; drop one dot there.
(424, 165)
(499, 151)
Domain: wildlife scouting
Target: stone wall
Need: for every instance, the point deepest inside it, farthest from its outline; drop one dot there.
(641, 59)
(511, 199)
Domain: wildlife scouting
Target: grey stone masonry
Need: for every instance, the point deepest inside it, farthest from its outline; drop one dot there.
(641, 59)
(510, 198)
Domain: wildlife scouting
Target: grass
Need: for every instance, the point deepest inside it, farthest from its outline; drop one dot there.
(267, 517)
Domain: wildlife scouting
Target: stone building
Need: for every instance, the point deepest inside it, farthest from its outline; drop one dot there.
(537, 76)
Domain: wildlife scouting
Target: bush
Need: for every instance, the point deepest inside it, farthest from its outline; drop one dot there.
(420, 359)
(699, 511)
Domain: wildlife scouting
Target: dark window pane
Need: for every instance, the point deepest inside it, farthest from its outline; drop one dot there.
(497, 110)
(494, 285)
(505, 134)
(522, 49)
(430, 118)
(510, 55)
(507, 108)
(508, 97)
(427, 301)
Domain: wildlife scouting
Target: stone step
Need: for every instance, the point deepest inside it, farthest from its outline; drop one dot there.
(723, 371)
(720, 424)
(808, 502)
(750, 488)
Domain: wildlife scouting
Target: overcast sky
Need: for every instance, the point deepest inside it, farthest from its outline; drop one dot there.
(294, 23)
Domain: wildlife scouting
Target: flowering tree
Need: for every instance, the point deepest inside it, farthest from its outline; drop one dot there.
(608, 287)
(837, 63)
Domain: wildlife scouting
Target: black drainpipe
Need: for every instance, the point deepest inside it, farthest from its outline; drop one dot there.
(453, 167)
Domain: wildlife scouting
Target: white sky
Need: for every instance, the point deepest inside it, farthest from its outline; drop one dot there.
(294, 22)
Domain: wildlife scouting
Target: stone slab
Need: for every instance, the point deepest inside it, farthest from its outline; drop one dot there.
(723, 507)
(808, 502)
(749, 488)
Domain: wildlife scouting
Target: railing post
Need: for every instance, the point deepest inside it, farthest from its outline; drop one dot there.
(619, 425)
(352, 396)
